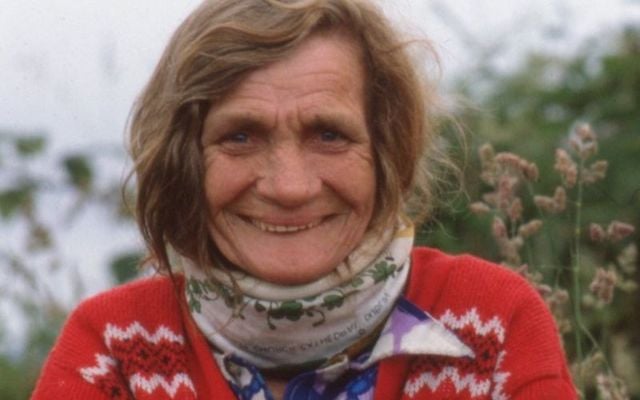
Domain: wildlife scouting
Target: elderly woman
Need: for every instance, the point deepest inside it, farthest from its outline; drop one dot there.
(278, 149)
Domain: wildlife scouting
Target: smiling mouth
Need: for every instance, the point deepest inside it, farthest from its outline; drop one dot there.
(273, 228)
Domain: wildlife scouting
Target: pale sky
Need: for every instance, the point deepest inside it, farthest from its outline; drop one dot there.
(72, 68)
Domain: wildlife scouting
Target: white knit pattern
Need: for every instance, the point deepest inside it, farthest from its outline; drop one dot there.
(494, 325)
(499, 379)
(106, 364)
(112, 332)
(476, 387)
(150, 384)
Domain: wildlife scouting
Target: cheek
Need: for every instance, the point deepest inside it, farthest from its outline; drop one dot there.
(212, 191)
(355, 181)
(223, 182)
(366, 189)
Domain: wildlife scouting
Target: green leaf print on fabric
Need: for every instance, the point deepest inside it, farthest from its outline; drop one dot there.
(382, 271)
(194, 291)
(207, 290)
(291, 310)
(315, 306)
(332, 301)
(357, 282)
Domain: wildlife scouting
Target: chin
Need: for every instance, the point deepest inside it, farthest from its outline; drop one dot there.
(293, 276)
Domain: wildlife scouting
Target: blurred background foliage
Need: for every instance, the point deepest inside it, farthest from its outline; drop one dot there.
(32, 182)
(528, 110)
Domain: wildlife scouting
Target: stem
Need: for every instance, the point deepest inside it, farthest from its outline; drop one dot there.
(577, 290)
(547, 263)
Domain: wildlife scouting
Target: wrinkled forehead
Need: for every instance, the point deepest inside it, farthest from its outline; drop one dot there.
(313, 55)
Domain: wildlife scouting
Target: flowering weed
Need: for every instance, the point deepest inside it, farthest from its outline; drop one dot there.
(511, 185)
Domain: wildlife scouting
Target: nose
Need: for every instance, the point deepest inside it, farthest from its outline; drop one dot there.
(289, 179)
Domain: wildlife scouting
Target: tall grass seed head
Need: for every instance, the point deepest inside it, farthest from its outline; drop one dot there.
(597, 233)
(611, 388)
(566, 167)
(530, 228)
(616, 231)
(628, 258)
(596, 172)
(583, 141)
(603, 285)
(531, 172)
(486, 154)
(560, 198)
(515, 210)
(479, 208)
(498, 228)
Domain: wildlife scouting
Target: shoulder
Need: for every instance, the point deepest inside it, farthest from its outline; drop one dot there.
(113, 337)
(146, 298)
(433, 263)
(156, 285)
(142, 307)
(500, 316)
(441, 281)
(147, 290)
(472, 295)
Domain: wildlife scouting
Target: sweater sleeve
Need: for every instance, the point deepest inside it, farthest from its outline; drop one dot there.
(533, 354)
(79, 365)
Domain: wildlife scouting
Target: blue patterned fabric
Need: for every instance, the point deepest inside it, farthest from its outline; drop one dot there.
(408, 330)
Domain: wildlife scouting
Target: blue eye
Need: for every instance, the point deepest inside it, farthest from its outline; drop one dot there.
(329, 136)
(238, 137)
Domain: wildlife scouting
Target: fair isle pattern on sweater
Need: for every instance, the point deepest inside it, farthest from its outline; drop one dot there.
(137, 341)
(151, 361)
(148, 361)
(478, 377)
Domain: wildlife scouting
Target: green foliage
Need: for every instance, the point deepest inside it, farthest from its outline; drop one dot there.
(15, 198)
(529, 113)
(30, 146)
(124, 267)
(14, 385)
(31, 257)
(79, 171)
(18, 189)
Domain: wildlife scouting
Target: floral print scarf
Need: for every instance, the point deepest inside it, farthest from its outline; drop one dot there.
(298, 327)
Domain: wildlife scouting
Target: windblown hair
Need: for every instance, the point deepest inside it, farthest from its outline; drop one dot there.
(209, 55)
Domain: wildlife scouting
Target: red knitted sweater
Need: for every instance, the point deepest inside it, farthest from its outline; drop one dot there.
(138, 341)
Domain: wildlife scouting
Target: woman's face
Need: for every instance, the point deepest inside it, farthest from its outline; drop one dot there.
(290, 178)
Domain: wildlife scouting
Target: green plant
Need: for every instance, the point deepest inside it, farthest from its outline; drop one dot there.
(511, 180)
(31, 189)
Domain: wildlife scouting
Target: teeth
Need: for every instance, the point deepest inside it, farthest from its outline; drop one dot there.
(283, 228)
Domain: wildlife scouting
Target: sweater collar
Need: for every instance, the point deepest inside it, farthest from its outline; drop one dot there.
(409, 331)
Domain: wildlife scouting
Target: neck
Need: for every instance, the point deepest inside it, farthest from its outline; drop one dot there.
(277, 386)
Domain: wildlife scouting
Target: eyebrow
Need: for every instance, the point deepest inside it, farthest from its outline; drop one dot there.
(224, 120)
(333, 120)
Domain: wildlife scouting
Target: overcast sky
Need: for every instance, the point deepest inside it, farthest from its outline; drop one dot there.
(72, 68)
